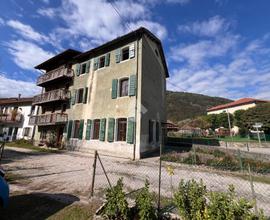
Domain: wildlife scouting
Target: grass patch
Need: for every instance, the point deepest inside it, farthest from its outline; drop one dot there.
(259, 179)
(12, 177)
(28, 145)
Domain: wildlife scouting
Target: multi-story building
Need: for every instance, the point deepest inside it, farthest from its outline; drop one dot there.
(14, 118)
(110, 98)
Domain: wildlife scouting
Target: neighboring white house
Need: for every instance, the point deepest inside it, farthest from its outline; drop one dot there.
(241, 104)
(14, 118)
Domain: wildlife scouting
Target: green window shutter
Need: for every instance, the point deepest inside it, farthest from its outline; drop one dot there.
(132, 51)
(117, 55)
(114, 88)
(88, 66)
(130, 130)
(69, 131)
(85, 95)
(102, 129)
(111, 124)
(81, 129)
(107, 59)
(78, 66)
(73, 98)
(88, 129)
(132, 85)
(96, 63)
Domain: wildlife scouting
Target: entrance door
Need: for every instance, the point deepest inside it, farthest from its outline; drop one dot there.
(59, 135)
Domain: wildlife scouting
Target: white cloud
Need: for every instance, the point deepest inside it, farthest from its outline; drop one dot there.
(196, 53)
(155, 2)
(47, 12)
(244, 73)
(11, 87)
(26, 54)
(27, 31)
(211, 27)
(100, 21)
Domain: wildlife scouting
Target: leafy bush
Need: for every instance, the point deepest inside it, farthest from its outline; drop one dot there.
(144, 204)
(192, 159)
(194, 203)
(190, 199)
(227, 162)
(116, 206)
(226, 206)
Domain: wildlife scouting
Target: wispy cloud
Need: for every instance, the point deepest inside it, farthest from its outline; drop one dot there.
(212, 27)
(26, 54)
(244, 73)
(26, 31)
(11, 87)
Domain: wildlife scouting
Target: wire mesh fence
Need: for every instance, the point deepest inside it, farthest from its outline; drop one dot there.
(217, 167)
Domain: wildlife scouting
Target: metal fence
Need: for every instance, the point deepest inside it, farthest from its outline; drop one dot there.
(217, 166)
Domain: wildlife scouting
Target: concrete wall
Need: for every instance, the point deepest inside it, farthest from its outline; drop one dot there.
(153, 98)
(233, 109)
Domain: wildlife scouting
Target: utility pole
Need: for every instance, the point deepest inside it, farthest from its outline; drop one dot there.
(229, 121)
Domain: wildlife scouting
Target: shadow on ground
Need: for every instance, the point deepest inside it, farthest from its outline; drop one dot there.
(36, 206)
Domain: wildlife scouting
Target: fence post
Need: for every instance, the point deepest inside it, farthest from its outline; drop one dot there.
(93, 175)
(104, 170)
(194, 156)
(252, 190)
(240, 160)
(160, 166)
(247, 147)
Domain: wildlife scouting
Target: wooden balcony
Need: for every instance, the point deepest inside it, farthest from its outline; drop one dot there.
(11, 119)
(53, 75)
(48, 119)
(51, 96)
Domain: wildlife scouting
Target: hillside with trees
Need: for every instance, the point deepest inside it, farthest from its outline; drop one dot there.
(184, 105)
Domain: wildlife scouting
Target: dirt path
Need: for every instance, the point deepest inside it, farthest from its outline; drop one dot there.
(70, 173)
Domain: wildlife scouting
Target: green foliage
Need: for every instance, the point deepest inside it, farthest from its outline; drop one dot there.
(195, 203)
(144, 204)
(183, 105)
(116, 206)
(192, 158)
(226, 206)
(190, 199)
(260, 113)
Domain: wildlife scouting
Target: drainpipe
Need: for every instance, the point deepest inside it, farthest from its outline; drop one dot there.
(136, 96)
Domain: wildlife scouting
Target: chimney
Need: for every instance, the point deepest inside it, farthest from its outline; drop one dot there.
(19, 96)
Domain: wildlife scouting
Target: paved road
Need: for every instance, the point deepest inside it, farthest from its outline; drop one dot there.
(71, 173)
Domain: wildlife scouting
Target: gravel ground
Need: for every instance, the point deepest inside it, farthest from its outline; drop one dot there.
(70, 173)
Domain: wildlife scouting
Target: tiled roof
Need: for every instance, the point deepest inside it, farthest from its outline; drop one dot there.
(238, 102)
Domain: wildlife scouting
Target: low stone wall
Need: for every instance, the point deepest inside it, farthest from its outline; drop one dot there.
(244, 144)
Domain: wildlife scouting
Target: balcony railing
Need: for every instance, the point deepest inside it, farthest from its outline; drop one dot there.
(54, 74)
(11, 118)
(48, 119)
(54, 95)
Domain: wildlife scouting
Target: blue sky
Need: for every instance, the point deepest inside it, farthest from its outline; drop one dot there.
(212, 47)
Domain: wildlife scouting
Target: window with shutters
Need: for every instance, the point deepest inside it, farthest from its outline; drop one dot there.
(151, 131)
(121, 129)
(96, 129)
(83, 68)
(76, 129)
(80, 96)
(123, 87)
(101, 62)
(125, 53)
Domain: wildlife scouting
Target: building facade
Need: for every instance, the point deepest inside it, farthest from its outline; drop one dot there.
(14, 118)
(114, 97)
(240, 104)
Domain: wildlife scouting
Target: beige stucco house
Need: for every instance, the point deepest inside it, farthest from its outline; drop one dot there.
(110, 98)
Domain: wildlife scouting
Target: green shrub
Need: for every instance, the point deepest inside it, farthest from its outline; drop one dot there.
(192, 159)
(225, 163)
(218, 153)
(225, 205)
(116, 206)
(190, 199)
(144, 205)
